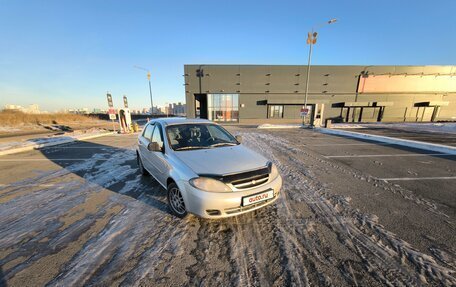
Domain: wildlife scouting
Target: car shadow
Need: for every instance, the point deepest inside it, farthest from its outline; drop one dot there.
(110, 167)
(2, 278)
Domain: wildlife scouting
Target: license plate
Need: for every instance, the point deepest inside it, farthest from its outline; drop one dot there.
(262, 196)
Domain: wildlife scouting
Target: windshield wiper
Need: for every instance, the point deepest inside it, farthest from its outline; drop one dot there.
(222, 144)
(190, 147)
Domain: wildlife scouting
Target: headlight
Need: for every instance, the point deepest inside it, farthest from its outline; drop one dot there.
(274, 171)
(209, 184)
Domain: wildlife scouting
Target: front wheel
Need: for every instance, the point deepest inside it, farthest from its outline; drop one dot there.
(176, 201)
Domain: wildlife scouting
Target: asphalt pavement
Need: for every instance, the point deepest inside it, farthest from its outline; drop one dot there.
(351, 213)
(409, 133)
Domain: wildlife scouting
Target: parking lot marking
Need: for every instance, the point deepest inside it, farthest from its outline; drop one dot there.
(26, 185)
(418, 178)
(344, 144)
(77, 147)
(389, 155)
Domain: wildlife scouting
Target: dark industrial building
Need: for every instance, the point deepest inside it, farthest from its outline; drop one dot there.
(275, 94)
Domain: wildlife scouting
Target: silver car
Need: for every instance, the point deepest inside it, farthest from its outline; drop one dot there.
(206, 171)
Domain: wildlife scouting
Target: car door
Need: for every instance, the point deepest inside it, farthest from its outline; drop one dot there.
(158, 159)
(143, 142)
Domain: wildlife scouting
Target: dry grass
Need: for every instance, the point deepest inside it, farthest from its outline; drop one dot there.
(15, 118)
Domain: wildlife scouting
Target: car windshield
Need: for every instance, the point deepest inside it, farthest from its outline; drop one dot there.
(198, 136)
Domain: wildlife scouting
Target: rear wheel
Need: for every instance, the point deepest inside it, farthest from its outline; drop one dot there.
(176, 201)
(142, 170)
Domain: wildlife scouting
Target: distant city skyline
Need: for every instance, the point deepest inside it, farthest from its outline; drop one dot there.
(169, 108)
(68, 54)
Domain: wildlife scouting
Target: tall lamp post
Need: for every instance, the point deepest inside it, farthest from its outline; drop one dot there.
(150, 88)
(311, 40)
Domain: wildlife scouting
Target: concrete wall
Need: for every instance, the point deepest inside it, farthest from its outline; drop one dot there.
(257, 84)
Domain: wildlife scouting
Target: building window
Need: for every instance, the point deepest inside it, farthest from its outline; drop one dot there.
(223, 107)
(275, 111)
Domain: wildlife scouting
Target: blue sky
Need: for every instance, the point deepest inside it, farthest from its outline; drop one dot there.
(67, 54)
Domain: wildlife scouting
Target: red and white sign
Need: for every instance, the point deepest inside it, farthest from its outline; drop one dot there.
(304, 112)
(112, 113)
(252, 199)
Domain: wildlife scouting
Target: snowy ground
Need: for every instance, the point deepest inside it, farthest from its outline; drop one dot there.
(82, 215)
(418, 127)
(64, 137)
(280, 126)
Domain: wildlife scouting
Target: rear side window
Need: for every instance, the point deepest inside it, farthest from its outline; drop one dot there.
(148, 131)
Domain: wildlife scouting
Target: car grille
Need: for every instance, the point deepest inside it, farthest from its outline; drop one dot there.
(250, 182)
(244, 180)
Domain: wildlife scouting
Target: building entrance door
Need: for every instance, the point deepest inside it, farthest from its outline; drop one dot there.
(223, 107)
(201, 106)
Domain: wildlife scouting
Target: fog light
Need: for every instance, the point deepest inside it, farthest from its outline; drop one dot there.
(213, 212)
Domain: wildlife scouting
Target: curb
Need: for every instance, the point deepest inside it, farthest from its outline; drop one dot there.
(38, 146)
(402, 142)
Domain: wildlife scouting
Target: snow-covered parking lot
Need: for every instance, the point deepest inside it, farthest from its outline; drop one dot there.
(351, 213)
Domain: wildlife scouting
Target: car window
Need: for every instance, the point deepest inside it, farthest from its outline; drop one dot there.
(218, 134)
(148, 131)
(157, 136)
(198, 136)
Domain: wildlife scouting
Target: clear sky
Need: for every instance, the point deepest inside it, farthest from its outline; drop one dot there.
(67, 54)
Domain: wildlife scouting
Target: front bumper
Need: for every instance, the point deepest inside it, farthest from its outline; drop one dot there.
(225, 204)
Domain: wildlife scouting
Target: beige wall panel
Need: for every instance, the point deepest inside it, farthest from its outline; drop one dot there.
(221, 79)
(252, 109)
(254, 79)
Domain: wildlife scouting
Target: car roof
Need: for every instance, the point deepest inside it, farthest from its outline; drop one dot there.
(179, 120)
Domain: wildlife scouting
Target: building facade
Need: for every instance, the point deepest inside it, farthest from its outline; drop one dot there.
(276, 94)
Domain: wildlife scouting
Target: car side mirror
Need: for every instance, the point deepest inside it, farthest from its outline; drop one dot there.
(238, 138)
(154, 146)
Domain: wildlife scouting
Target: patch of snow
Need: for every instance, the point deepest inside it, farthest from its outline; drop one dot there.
(51, 139)
(8, 129)
(279, 126)
(426, 127)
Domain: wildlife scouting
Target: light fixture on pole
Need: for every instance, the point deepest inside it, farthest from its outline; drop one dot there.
(311, 40)
(150, 88)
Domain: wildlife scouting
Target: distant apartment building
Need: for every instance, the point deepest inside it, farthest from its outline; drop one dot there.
(176, 109)
(179, 109)
(82, 111)
(99, 111)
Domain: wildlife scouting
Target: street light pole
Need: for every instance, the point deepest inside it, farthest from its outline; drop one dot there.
(150, 93)
(311, 40)
(150, 88)
(308, 75)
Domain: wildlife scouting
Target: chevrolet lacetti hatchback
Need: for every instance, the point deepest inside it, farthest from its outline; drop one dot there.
(205, 170)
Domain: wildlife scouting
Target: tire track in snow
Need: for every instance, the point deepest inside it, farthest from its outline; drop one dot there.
(382, 252)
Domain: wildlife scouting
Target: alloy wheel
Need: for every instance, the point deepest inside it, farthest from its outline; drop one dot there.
(176, 200)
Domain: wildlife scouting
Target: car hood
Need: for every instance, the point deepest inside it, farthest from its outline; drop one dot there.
(222, 160)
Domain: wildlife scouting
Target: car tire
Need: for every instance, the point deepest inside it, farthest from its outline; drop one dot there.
(176, 201)
(142, 170)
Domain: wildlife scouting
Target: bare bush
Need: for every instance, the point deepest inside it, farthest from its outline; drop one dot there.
(16, 118)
